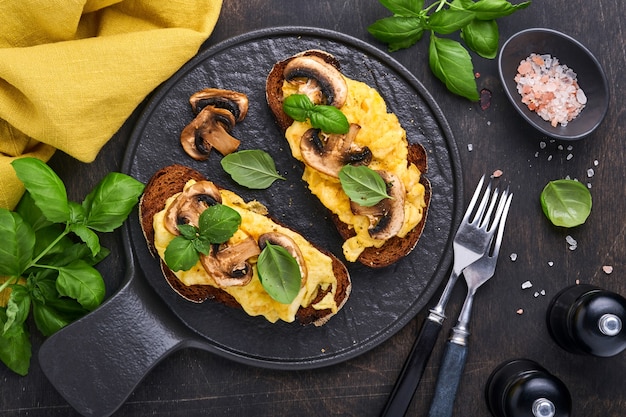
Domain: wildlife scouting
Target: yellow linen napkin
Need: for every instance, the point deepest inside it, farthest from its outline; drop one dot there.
(72, 71)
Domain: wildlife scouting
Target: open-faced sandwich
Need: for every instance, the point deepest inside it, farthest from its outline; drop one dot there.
(376, 235)
(179, 203)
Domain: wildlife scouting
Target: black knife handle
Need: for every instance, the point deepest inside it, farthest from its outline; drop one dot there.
(448, 380)
(412, 371)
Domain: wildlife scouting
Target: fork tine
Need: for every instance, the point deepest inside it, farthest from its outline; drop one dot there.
(472, 203)
(487, 216)
(501, 224)
(483, 204)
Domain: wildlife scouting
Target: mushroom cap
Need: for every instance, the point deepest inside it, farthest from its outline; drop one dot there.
(228, 264)
(233, 101)
(387, 216)
(290, 245)
(329, 153)
(209, 129)
(190, 203)
(318, 79)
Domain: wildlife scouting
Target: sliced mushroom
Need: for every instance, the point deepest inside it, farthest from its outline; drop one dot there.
(229, 265)
(233, 101)
(319, 80)
(210, 129)
(328, 153)
(280, 239)
(189, 204)
(386, 217)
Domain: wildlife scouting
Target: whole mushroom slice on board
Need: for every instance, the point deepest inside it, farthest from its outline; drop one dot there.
(217, 113)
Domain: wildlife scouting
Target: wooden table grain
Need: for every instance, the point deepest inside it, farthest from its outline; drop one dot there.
(197, 383)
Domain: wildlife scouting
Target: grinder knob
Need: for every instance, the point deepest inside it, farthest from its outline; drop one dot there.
(585, 319)
(523, 388)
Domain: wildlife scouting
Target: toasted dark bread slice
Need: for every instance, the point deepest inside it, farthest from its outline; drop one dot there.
(395, 248)
(171, 180)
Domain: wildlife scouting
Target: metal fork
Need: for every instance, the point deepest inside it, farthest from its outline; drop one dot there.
(471, 242)
(455, 355)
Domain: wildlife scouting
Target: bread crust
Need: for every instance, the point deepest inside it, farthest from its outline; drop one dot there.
(393, 249)
(169, 181)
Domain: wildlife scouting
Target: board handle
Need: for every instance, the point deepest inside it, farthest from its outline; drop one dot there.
(96, 362)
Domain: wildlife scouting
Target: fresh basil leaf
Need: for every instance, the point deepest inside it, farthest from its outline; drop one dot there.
(45, 187)
(279, 273)
(363, 185)
(181, 254)
(202, 245)
(30, 213)
(111, 201)
(329, 119)
(398, 32)
(44, 237)
(82, 282)
(18, 308)
(297, 106)
(188, 231)
(253, 169)
(88, 236)
(218, 223)
(18, 243)
(446, 21)
(452, 64)
(15, 347)
(48, 320)
(482, 37)
(404, 7)
(566, 203)
(493, 9)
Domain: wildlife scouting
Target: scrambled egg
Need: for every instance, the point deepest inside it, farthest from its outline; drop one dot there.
(252, 297)
(382, 133)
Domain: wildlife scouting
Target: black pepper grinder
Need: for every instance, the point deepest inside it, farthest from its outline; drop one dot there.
(523, 388)
(585, 319)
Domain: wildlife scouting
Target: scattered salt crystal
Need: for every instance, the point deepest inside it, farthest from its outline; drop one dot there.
(570, 147)
(549, 157)
(571, 242)
(542, 292)
(607, 269)
(590, 172)
(588, 185)
(526, 285)
(595, 162)
(569, 156)
(497, 173)
(488, 122)
(542, 145)
(577, 281)
(550, 263)
(536, 154)
(560, 147)
(520, 311)
(470, 147)
(536, 294)
(513, 257)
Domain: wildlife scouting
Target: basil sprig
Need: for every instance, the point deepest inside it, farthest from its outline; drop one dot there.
(252, 168)
(216, 224)
(279, 273)
(448, 59)
(566, 203)
(327, 118)
(47, 270)
(363, 185)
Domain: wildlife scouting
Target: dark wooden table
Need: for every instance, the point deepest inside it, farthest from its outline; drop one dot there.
(193, 382)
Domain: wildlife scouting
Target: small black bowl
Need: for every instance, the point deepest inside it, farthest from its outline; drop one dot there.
(570, 52)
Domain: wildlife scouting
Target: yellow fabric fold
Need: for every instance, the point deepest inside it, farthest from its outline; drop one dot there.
(72, 71)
